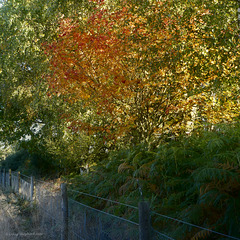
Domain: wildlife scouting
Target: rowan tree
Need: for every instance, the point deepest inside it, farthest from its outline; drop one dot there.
(145, 71)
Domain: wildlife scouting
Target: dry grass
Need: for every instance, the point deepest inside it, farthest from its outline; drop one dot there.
(48, 202)
(19, 220)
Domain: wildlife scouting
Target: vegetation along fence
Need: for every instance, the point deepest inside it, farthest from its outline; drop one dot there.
(67, 219)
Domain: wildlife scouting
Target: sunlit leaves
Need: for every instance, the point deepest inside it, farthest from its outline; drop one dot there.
(146, 69)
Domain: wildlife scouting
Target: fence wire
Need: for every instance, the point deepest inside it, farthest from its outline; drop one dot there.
(48, 200)
(179, 229)
(15, 182)
(92, 224)
(25, 189)
(101, 198)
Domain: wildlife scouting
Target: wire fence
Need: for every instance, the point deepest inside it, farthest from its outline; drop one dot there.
(15, 182)
(84, 222)
(179, 227)
(48, 199)
(96, 224)
(169, 227)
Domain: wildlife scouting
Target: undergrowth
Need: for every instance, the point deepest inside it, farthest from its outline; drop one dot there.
(19, 218)
(195, 179)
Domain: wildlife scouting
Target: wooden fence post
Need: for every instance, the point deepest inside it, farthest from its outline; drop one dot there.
(4, 176)
(32, 189)
(145, 229)
(18, 182)
(64, 231)
(10, 178)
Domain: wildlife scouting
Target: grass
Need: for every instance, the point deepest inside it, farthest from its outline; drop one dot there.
(19, 219)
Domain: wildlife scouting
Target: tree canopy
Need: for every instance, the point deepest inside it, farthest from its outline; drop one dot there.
(121, 72)
(147, 70)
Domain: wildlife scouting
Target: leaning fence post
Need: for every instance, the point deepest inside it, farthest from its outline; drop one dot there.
(145, 229)
(17, 182)
(64, 231)
(31, 189)
(9, 178)
(4, 176)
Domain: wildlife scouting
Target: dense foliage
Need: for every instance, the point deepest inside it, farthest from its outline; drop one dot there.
(141, 72)
(135, 91)
(82, 77)
(196, 179)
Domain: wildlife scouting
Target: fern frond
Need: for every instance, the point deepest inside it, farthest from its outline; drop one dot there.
(137, 159)
(125, 187)
(228, 166)
(144, 170)
(215, 143)
(124, 166)
(153, 187)
(209, 174)
(201, 235)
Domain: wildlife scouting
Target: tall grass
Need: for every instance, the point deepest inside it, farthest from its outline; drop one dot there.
(19, 219)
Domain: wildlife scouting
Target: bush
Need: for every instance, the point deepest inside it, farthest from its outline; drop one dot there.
(40, 164)
(195, 178)
(16, 160)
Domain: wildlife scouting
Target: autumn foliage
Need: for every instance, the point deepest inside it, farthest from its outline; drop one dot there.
(147, 72)
(138, 92)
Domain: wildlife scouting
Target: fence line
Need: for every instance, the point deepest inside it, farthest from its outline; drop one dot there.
(105, 199)
(193, 225)
(29, 177)
(98, 224)
(163, 235)
(161, 215)
(77, 235)
(109, 214)
(94, 222)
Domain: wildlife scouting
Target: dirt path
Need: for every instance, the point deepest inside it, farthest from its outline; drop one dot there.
(17, 219)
